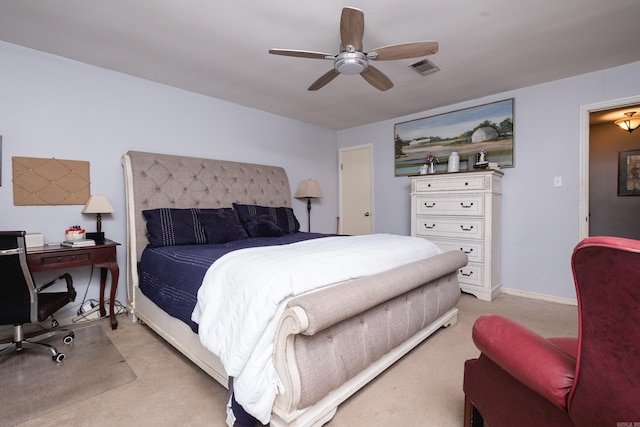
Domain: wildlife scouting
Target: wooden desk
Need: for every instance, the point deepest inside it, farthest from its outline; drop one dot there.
(47, 258)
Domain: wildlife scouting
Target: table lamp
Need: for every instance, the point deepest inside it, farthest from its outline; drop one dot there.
(309, 189)
(98, 205)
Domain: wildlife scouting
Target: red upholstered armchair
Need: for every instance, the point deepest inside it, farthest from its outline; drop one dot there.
(523, 379)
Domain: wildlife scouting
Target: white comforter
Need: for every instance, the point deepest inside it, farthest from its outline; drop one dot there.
(244, 293)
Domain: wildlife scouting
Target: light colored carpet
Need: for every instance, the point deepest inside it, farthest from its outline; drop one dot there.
(424, 389)
(34, 385)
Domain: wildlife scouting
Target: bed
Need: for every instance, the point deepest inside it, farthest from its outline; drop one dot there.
(327, 342)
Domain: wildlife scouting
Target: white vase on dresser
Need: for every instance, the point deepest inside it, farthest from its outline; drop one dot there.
(461, 211)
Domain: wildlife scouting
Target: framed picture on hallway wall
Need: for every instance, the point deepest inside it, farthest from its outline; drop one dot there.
(629, 173)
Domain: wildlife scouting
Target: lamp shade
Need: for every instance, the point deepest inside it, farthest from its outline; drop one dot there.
(309, 188)
(630, 122)
(98, 204)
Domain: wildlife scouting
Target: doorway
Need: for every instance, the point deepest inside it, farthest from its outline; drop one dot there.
(584, 186)
(356, 190)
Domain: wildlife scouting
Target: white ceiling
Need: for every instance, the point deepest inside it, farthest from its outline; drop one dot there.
(220, 48)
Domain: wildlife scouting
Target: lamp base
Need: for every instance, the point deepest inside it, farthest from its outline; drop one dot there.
(98, 237)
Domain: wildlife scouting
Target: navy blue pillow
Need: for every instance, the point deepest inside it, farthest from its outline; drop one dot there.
(282, 216)
(262, 226)
(170, 226)
(222, 225)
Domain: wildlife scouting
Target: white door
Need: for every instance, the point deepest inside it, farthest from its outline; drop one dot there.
(355, 190)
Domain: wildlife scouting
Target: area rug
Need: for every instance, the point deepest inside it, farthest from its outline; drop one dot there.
(33, 384)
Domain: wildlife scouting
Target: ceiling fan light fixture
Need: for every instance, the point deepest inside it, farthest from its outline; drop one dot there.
(353, 60)
(351, 63)
(629, 123)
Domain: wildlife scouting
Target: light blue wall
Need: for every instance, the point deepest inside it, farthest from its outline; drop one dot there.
(54, 107)
(539, 221)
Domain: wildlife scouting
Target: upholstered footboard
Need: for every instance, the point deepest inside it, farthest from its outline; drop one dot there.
(333, 341)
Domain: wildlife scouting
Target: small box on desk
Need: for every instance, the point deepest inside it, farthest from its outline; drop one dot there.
(98, 237)
(33, 240)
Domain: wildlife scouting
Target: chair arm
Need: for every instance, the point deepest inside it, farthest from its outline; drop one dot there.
(70, 289)
(531, 359)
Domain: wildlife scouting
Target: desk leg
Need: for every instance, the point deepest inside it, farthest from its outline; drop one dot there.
(115, 273)
(103, 282)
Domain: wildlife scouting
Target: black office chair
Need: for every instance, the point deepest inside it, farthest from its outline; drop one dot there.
(22, 302)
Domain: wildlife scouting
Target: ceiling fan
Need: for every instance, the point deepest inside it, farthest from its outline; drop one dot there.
(353, 60)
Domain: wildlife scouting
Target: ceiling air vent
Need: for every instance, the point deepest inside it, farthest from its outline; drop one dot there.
(424, 67)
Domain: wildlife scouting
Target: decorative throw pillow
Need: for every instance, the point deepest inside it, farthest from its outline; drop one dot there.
(282, 216)
(170, 226)
(262, 226)
(222, 225)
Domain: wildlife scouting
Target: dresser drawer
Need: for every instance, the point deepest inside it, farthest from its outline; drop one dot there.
(460, 228)
(468, 205)
(471, 274)
(449, 183)
(474, 250)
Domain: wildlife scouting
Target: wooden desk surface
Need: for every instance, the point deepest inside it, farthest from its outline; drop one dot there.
(57, 247)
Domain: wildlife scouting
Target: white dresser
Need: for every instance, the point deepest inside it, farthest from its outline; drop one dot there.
(461, 211)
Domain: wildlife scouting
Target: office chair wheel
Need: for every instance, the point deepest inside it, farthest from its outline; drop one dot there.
(68, 339)
(58, 357)
(54, 323)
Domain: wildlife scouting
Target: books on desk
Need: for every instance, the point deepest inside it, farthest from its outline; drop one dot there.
(78, 243)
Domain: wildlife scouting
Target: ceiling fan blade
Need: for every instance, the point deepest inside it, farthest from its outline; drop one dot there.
(301, 53)
(377, 78)
(324, 79)
(403, 51)
(351, 28)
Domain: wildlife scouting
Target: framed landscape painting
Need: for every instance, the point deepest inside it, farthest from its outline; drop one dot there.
(487, 128)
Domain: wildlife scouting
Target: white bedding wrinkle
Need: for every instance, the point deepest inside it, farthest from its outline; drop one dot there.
(244, 293)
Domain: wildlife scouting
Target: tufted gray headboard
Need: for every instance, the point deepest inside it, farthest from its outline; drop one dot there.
(161, 180)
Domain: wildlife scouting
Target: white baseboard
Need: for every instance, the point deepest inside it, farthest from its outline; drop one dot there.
(544, 297)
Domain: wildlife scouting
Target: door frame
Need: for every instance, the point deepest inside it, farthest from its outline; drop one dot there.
(371, 192)
(583, 171)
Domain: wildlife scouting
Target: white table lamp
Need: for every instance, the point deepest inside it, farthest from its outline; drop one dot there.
(98, 204)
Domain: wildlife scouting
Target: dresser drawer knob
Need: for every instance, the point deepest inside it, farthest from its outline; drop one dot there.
(466, 206)
(466, 183)
(467, 252)
(466, 274)
(466, 229)
(430, 227)
(427, 205)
